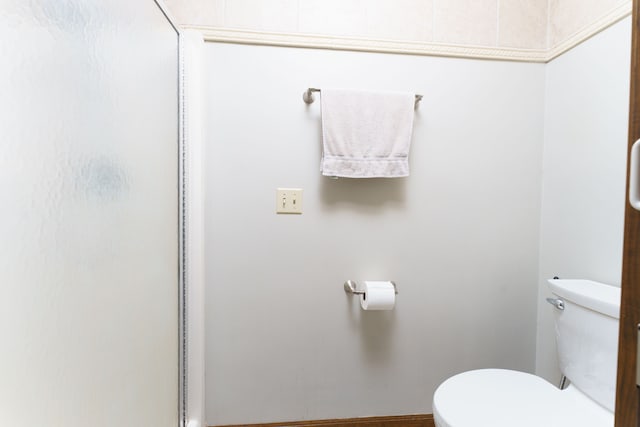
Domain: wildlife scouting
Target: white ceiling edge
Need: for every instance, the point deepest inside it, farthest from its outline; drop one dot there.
(316, 41)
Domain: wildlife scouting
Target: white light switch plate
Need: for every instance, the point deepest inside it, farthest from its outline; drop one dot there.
(289, 200)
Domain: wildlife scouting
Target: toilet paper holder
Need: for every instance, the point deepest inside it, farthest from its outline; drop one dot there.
(352, 288)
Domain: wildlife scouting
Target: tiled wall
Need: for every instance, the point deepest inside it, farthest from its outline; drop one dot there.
(567, 17)
(508, 24)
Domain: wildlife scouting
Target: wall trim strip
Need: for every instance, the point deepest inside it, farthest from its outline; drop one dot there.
(317, 41)
(423, 420)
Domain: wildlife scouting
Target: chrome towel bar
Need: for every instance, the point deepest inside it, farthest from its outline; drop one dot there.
(307, 96)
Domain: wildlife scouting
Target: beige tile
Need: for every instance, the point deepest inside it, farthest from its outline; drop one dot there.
(570, 16)
(523, 23)
(197, 12)
(400, 19)
(333, 17)
(507, 23)
(267, 15)
(467, 22)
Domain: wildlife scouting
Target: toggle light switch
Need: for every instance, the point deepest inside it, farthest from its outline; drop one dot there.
(289, 200)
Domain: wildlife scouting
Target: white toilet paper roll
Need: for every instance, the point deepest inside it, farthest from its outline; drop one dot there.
(378, 295)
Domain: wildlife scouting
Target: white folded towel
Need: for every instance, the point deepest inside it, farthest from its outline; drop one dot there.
(366, 134)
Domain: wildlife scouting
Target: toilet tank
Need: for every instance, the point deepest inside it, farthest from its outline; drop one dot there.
(587, 336)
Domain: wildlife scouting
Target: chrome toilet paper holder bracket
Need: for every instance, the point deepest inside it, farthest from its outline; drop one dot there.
(351, 287)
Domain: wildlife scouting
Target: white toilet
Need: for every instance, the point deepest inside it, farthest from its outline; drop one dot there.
(586, 318)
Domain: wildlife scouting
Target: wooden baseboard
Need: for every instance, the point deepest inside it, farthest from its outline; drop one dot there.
(425, 420)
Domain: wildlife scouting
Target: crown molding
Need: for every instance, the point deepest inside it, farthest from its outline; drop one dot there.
(317, 41)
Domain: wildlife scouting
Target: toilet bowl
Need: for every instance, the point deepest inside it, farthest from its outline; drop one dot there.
(504, 398)
(586, 316)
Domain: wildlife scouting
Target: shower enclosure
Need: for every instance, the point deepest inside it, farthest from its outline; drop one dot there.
(90, 214)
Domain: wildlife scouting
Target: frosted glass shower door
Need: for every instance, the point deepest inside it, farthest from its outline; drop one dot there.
(88, 214)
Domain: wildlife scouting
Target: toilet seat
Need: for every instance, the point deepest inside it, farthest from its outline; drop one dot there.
(504, 398)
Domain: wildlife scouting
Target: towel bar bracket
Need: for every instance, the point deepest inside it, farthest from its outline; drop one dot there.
(307, 95)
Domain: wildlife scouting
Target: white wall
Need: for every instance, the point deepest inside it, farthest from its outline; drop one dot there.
(586, 117)
(459, 236)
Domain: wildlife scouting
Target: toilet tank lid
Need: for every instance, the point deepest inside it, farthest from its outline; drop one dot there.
(596, 296)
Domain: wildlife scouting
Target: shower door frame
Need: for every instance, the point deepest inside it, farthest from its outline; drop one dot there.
(182, 223)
